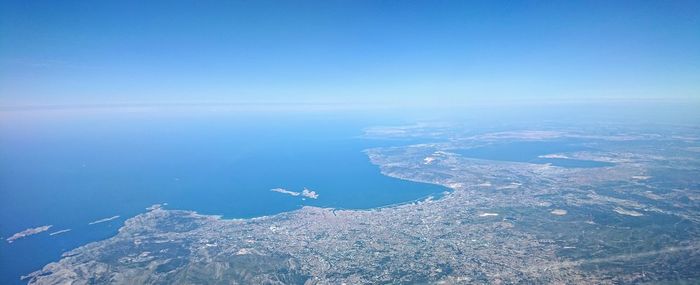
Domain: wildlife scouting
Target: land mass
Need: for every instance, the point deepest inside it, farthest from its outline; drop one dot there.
(499, 224)
(304, 193)
(104, 220)
(59, 232)
(28, 232)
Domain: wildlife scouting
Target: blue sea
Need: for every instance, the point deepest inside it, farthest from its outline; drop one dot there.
(67, 171)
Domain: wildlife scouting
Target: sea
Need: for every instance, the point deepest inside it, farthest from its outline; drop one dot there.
(71, 170)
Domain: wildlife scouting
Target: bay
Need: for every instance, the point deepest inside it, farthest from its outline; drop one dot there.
(69, 172)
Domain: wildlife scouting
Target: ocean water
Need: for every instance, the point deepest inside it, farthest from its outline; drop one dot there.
(70, 171)
(529, 151)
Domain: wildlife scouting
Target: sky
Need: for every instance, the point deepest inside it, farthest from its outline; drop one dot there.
(352, 52)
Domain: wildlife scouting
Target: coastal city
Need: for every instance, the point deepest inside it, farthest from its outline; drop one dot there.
(634, 219)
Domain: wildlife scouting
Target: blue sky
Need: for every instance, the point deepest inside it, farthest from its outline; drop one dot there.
(346, 52)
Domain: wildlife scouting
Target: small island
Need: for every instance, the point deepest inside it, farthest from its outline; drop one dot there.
(59, 232)
(285, 191)
(306, 192)
(104, 220)
(28, 232)
(309, 193)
